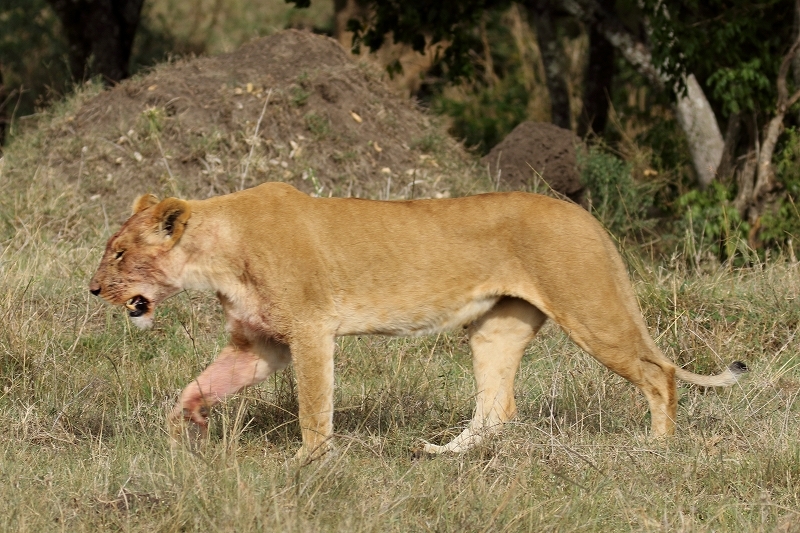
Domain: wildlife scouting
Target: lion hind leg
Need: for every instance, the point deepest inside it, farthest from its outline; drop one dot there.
(659, 387)
(498, 340)
(637, 359)
(648, 369)
(235, 368)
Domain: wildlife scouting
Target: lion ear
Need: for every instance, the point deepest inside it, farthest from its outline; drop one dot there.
(172, 215)
(143, 202)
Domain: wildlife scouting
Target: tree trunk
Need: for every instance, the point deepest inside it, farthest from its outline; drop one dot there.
(2, 110)
(796, 60)
(597, 84)
(745, 182)
(766, 181)
(692, 110)
(727, 164)
(698, 122)
(541, 16)
(745, 177)
(100, 35)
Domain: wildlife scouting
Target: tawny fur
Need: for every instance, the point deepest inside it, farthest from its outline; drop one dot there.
(293, 272)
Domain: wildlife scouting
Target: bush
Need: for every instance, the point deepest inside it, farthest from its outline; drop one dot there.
(620, 203)
(484, 118)
(781, 228)
(505, 90)
(711, 225)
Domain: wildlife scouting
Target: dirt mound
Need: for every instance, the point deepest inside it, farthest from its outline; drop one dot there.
(537, 150)
(291, 107)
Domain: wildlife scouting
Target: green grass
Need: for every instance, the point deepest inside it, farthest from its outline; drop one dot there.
(83, 396)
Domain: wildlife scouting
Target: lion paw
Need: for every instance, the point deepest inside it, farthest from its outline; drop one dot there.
(188, 426)
(307, 455)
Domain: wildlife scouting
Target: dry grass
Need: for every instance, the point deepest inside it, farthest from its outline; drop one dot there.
(83, 397)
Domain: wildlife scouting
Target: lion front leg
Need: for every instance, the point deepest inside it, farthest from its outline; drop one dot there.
(236, 367)
(313, 367)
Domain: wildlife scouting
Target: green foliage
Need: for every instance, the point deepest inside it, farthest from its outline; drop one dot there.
(782, 227)
(742, 87)
(151, 122)
(711, 223)
(614, 197)
(485, 109)
(668, 145)
(299, 93)
(734, 45)
(484, 119)
(299, 96)
(33, 58)
(787, 165)
(421, 22)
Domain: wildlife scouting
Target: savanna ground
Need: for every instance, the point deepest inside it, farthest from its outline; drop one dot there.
(84, 394)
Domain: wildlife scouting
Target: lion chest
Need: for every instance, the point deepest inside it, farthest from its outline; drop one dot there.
(251, 317)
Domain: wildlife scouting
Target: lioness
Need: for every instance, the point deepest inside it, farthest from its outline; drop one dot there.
(294, 272)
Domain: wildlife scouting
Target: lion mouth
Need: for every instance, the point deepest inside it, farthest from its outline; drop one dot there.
(137, 306)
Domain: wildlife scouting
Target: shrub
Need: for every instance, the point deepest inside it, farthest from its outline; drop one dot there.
(781, 228)
(620, 203)
(484, 118)
(711, 225)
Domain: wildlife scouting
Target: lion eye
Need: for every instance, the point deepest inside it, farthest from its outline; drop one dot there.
(118, 255)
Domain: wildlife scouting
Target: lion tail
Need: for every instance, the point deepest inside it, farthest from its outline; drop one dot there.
(725, 379)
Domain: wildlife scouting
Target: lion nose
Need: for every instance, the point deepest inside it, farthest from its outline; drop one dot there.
(94, 288)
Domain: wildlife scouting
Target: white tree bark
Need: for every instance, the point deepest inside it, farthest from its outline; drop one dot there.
(698, 122)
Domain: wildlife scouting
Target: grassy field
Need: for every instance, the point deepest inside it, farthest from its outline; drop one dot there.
(83, 396)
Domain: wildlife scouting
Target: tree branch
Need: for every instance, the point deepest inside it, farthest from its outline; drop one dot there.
(766, 182)
(783, 72)
(635, 52)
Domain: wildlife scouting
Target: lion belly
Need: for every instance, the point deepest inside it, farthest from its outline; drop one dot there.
(424, 318)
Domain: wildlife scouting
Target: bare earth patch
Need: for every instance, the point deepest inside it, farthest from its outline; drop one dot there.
(537, 151)
(291, 107)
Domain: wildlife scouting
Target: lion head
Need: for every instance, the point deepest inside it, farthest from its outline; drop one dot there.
(137, 269)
